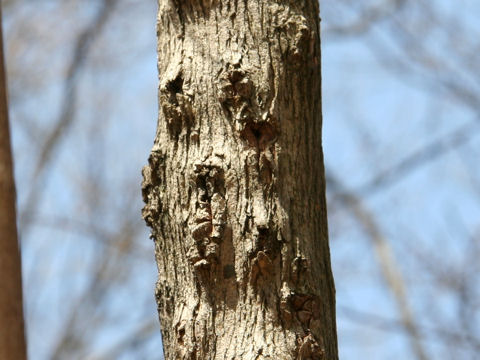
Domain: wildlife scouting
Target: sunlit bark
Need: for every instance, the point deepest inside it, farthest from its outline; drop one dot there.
(235, 187)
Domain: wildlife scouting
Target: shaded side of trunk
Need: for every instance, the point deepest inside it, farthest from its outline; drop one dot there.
(12, 338)
(235, 189)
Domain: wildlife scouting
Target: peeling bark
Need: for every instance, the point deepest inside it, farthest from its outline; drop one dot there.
(234, 188)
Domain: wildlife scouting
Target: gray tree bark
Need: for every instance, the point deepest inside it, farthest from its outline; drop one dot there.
(235, 187)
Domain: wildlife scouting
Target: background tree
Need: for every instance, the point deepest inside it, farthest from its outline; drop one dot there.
(12, 335)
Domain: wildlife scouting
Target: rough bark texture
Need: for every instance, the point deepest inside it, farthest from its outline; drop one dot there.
(12, 338)
(234, 188)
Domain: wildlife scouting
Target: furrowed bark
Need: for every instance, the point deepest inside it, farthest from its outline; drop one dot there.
(234, 187)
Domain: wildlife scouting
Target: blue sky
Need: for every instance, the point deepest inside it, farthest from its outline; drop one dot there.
(374, 116)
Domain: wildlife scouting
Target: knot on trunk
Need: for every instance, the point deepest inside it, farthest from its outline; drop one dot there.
(246, 98)
(207, 226)
(153, 175)
(176, 104)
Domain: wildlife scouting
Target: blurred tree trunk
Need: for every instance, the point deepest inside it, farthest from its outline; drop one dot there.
(235, 189)
(12, 338)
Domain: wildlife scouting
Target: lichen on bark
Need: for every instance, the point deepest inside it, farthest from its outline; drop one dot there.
(234, 188)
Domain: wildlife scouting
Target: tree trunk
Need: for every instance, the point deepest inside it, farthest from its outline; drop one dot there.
(12, 338)
(235, 189)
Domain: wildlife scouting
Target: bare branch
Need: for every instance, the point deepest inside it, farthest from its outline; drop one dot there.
(418, 159)
(66, 117)
(365, 19)
(382, 323)
(385, 257)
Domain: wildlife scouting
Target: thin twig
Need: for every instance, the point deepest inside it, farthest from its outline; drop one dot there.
(418, 159)
(385, 257)
(67, 113)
